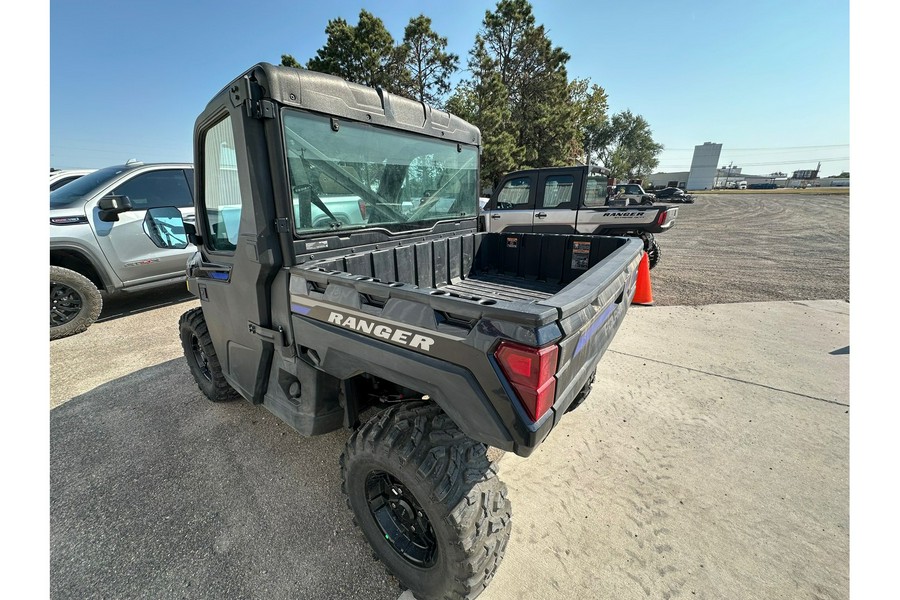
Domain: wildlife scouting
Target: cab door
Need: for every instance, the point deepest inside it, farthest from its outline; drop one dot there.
(512, 208)
(238, 266)
(131, 254)
(557, 204)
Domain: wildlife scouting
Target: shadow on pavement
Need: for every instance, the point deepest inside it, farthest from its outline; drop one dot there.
(156, 492)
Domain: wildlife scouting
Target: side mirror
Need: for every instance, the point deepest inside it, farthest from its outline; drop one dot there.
(111, 205)
(165, 227)
(191, 230)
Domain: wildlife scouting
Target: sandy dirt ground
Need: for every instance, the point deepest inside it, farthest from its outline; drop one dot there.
(755, 247)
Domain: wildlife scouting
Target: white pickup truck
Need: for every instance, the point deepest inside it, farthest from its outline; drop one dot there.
(573, 200)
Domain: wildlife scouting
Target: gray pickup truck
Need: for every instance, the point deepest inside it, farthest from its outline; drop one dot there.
(575, 200)
(428, 339)
(98, 246)
(97, 242)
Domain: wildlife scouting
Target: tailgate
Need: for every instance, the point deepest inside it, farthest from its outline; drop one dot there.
(588, 330)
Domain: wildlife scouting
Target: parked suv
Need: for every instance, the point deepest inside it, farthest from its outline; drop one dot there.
(97, 242)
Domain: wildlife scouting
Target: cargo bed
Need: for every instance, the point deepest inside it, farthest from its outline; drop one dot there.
(486, 269)
(502, 287)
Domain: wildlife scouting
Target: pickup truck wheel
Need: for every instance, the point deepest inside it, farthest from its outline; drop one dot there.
(201, 357)
(428, 500)
(75, 302)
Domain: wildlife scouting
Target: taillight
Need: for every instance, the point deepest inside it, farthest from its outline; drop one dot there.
(530, 371)
(662, 217)
(362, 209)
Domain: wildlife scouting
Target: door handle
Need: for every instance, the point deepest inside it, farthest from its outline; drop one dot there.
(495, 216)
(541, 215)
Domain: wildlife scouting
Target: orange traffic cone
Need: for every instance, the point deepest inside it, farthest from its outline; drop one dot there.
(643, 293)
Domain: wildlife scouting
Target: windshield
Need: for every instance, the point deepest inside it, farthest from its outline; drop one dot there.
(81, 188)
(352, 175)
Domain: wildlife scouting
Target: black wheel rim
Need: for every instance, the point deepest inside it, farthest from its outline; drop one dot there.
(65, 304)
(200, 357)
(401, 519)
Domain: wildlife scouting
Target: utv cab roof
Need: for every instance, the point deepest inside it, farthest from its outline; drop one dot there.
(334, 96)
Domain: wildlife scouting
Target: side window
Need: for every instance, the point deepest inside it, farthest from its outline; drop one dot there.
(156, 189)
(221, 190)
(558, 190)
(515, 195)
(595, 192)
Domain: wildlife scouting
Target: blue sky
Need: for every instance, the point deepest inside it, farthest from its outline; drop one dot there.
(769, 80)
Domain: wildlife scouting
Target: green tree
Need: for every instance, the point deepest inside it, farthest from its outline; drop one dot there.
(485, 104)
(289, 61)
(591, 104)
(363, 53)
(533, 71)
(427, 64)
(627, 147)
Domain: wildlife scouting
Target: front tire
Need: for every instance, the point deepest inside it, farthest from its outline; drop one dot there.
(75, 302)
(428, 501)
(201, 357)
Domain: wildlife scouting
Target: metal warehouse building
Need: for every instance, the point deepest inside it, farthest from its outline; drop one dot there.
(704, 166)
(702, 176)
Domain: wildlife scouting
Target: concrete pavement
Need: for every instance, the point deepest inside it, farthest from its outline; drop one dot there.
(711, 461)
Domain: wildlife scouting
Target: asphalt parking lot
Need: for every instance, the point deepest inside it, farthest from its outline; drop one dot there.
(710, 461)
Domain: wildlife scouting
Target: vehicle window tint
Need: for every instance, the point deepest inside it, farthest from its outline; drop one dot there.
(83, 187)
(221, 189)
(63, 181)
(189, 175)
(595, 192)
(558, 190)
(515, 194)
(156, 189)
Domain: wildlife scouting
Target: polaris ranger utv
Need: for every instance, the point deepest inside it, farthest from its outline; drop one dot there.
(426, 338)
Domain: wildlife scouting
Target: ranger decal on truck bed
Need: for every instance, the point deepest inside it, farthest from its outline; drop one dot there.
(404, 334)
(383, 331)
